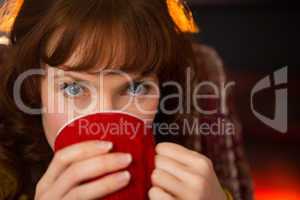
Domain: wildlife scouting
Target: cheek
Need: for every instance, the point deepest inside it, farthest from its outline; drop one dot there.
(52, 123)
(145, 109)
(54, 120)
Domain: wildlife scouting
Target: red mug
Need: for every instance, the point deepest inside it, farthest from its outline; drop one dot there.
(128, 133)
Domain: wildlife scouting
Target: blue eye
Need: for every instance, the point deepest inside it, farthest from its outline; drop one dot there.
(72, 89)
(137, 88)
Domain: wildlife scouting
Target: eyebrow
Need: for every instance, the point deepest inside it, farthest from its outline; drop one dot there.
(75, 76)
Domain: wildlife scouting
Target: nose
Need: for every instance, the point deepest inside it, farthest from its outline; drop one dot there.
(105, 102)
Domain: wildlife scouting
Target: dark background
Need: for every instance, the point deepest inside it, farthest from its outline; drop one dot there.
(255, 38)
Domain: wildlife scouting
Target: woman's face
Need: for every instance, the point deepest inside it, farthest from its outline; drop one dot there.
(69, 94)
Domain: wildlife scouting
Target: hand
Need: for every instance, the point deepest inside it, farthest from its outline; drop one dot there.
(75, 164)
(183, 174)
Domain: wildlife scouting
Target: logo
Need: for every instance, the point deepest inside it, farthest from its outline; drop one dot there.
(280, 121)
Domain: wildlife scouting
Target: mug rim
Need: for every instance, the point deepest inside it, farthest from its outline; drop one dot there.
(93, 113)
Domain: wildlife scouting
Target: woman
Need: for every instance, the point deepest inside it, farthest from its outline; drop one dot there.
(83, 38)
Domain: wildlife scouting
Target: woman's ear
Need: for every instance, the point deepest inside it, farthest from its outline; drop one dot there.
(4, 40)
(3, 50)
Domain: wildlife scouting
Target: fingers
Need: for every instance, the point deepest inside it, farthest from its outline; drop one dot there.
(189, 158)
(173, 167)
(167, 182)
(192, 172)
(156, 193)
(88, 169)
(63, 158)
(99, 188)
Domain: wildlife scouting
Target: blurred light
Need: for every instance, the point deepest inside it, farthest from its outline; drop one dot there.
(182, 16)
(278, 182)
(8, 12)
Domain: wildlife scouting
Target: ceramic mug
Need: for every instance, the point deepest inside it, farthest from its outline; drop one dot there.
(128, 133)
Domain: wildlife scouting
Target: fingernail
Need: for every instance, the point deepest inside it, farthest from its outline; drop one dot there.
(125, 159)
(104, 145)
(124, 176)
